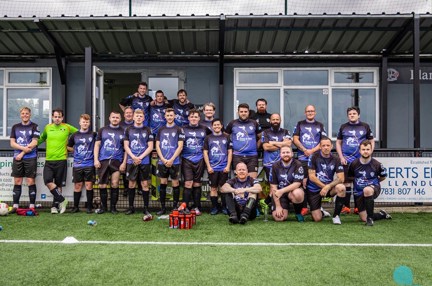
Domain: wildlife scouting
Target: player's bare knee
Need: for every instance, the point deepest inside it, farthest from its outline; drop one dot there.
(297, 196)
(317, 215)
(368, 191)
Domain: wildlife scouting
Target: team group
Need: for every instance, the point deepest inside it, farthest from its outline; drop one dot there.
(183, 142)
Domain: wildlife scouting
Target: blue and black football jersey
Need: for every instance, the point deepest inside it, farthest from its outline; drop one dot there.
(325, 169)
(181, 112)
(352, 135)
(126, 124)
(366, 174)
(24, 135)
(283, 176)
(169, 138)
(237, 184)
(157, 117)
(271, 157)
(139, 102)
(207, 123)
(309, 134)
(138, 138)
(217, 147)
(83, 145)
(194, 142)
(244, 136)
(111, 143)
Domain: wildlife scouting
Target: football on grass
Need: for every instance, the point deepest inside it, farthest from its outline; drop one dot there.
(4, 209)
(147, 218)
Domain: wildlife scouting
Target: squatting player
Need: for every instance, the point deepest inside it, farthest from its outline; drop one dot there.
(56, 136)
(322, 182)
(169, 145)
(138, 144)
(24, 140)
(81, 143)
(192, 162)
(367, 173)
(241, 195)
(218, 157)
(286, 185)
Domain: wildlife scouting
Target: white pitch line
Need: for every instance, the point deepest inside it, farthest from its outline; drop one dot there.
(266, 244)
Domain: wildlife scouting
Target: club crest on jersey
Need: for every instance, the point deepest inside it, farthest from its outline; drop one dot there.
(352, 142)
(250, 127)
(361, 132)
(372, 174)
(223, 142)
(202, 133)
(173, 134)
(300, 170)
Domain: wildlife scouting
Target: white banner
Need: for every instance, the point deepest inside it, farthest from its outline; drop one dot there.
(408, 180)
(43, 194)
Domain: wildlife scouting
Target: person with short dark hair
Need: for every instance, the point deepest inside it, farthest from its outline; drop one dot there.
(192, 163)
(81, 143)
(349, 138)
(139, 100)
(24, 140)
(169, 145)
(241, 195)
(322, 182)
(261, 116)
(181, 107)
(217, 156)
(286, 185)
(367, 173)
(109, 160)
(245, 134)
(138, 145)
(56, 136)
(157, 112)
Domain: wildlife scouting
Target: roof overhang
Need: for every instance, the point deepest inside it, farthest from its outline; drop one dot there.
(195, 37)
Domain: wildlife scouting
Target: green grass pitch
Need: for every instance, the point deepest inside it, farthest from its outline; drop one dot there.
(407, 239)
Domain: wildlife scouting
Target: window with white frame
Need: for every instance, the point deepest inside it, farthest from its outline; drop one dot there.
(24, 87)
(330, 90)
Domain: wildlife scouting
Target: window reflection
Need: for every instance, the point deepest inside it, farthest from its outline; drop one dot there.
(37, 99)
